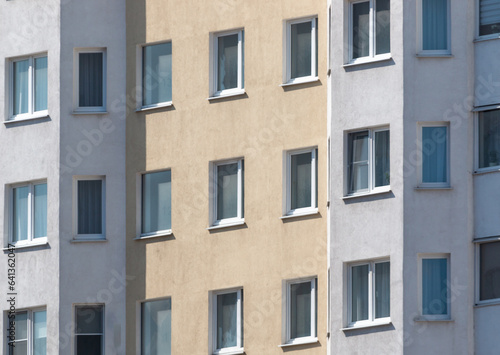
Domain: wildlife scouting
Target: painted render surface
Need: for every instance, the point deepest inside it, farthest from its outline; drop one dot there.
(258, 126)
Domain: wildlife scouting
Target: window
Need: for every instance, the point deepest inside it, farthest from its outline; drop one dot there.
(155, 327)
(89, 330)
(28, 87)
(434, 276)
(301, 50)
(227, 196)
(435, 155)
(156, 75)
(489, 272)
(488, 139)
(30, 332)
(28, 213)
(90, 80)
(302, 181)
(435, 26)
(489, 17)
(301, 311)
(370, 29)
(368, 161)
(369, 293)
(227, 324)
(156, 203)
(228, 63)
(90, 207)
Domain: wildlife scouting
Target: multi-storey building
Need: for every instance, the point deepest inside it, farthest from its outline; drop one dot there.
(226, 177)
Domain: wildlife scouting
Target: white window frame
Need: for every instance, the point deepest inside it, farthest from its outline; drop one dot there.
(214, 46)
(238, 349)
(287, 55)
(239, 219)
(29, 328)
(372, 36)
(371, 294)
(77, 236)
(31, 205)
(31, 89)
(431, 185)
(477, 117)
(477, 261)
(93, 305)
(431, 317)
(371, 162)
(286, 329)
(287, 193)
(76, 77)
(420, 44)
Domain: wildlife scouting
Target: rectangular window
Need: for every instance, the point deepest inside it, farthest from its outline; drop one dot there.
(302, 181)
(90, 80)
(156, 203)
(435, 155)
(89, 330)
(301, 311)
(489, 17)
(435, 16)
(28, 87)
(488, 128)
(489, 272)
(369, 292)
(156, 74)
(90, 209)
(30, 333)
(156, 327)
(29, 213)
(227, 324)
(434, 275)
(301, 50)
(368, 161)
(228, 63)
(370, 29)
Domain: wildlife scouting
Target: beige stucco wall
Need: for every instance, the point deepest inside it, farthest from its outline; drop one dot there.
(259, 127)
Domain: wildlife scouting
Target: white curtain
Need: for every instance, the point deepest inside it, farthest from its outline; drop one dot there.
(227, 62)
(434, 286)
(20, 215)
(489, 17)
(89, 207)
(434, 154)
(301, 49)
(156, 328)
(40, 333)
(157, 73)
(359, 293)
(40, 211)
(382, 158)
(489, 271)
(383, 26)
(435, 24)
(156, 202)
(360, 29)
(300, 310)
(300, 180)
(227, 191)
(382, 290)
(358, 161)
(227, 320)
(41, 84)
(21, 78)
(90, 79)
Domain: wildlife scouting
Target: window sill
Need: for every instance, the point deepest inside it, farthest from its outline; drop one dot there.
(299, 81)
(154, 107)
(238, 92)
(487, 38)
(373, 193)
(309, 212)
(368, 60)
(300, 341)
(371, 325)
(30, 118)
(37, 243)
(165, 233)
(424, 319)
(231, 351)
(483, 171)
(434, 55)
(89, 240)
(76, 112)
(486, 240)
(428, 188)
(227, 225)
(489, 303)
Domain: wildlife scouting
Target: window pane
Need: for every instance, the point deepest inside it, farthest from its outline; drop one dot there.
(157, 74)
(382, 290)
(89, 320)
(434, 154)
(227, 320)
(300, 312)
(156, 201)
(383, 26)
(489, 138)
(156, 331)
(301, 49)
(359, 297)
(489, 17)
(88, 345)
(227, 191)
(360, 29)
(358, 161)
(41, 85)
(40, 211)
(435, 24)
(382, 159)
(21, 325)
(489, 271)
(21, 90)
(301, 180)
(20, 213)
(40, 333)
(434, 286)
(227, 58)
(21, 348)
(89, 206)
(90, 83)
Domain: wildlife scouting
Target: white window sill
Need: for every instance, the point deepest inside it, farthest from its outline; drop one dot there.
(300, 341)
(425, 319)
(367, 325)
(96, 240)
(154, 107)
(164, 233)
(308, 212)
(227, 225)
(434, 55)
(223, 95)
(29, 118)
(372, 193)
(482, 171)
(77, 112)
(486, 239)
(36, 243)
(427, 188)
(368, 60)
(231, 351)
(487, 38)
(299, 81)
(488, 303)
